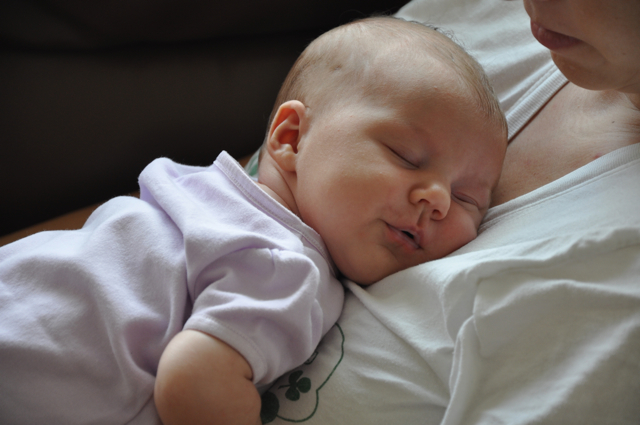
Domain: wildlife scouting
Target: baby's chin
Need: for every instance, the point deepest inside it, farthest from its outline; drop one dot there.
(378, 265)
(369, 277)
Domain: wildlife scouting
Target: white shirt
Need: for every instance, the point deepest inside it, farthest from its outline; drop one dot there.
(535, 321)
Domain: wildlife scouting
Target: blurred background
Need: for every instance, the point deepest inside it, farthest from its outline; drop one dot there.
(91, 92)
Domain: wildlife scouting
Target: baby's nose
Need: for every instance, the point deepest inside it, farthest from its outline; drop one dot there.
(435, 199)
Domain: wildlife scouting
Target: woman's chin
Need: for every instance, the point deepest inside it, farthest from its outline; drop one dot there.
(583, 75)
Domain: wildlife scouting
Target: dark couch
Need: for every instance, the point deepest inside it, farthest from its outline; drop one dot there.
(90, 92)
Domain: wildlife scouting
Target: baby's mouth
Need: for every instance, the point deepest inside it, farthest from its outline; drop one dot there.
(411, 238)
(408, 234)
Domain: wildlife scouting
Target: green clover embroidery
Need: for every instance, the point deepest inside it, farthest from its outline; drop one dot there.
(296, 386)
(270, 407)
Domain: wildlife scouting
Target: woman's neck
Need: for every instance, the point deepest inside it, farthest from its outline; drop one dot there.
(575, 127)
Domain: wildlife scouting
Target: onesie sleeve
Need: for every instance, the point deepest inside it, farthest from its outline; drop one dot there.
(273, 306)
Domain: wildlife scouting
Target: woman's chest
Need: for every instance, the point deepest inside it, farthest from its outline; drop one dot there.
(570, 131)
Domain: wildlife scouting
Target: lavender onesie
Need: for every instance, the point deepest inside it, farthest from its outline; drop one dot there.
(86, 314)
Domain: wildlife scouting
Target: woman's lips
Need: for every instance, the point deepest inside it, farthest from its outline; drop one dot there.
(550, 39)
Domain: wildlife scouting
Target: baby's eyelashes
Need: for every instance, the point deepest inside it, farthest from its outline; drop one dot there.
(404, 158)
(466, 199)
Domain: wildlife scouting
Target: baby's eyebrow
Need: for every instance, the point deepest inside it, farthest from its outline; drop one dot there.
(401, 124)
(405, 134)
(481, 188)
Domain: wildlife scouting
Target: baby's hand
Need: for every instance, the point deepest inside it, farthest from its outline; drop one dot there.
(202, 380)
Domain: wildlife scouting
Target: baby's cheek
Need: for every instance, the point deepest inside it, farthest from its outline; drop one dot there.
(467, 231)
(459, 233)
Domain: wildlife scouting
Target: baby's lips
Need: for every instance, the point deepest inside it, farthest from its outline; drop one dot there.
(403, 236)
(416, 235)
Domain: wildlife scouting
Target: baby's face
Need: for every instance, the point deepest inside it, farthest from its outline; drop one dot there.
(398, 178)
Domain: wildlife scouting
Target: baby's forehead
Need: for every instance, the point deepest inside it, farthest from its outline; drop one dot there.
(406, 66)
(445, 67)
(383, 71)
(390, 63)
(398, 58)
(416, 80)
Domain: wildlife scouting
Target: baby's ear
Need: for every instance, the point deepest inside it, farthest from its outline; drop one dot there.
(285, 134)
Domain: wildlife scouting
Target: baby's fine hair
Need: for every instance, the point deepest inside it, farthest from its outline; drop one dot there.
(333, 66)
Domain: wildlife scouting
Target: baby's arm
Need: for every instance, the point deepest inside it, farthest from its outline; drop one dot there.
(203, 380)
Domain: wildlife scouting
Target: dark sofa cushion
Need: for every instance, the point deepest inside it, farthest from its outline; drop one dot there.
(90, 92)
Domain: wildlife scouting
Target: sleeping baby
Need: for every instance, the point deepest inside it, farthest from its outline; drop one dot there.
(381, 153)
